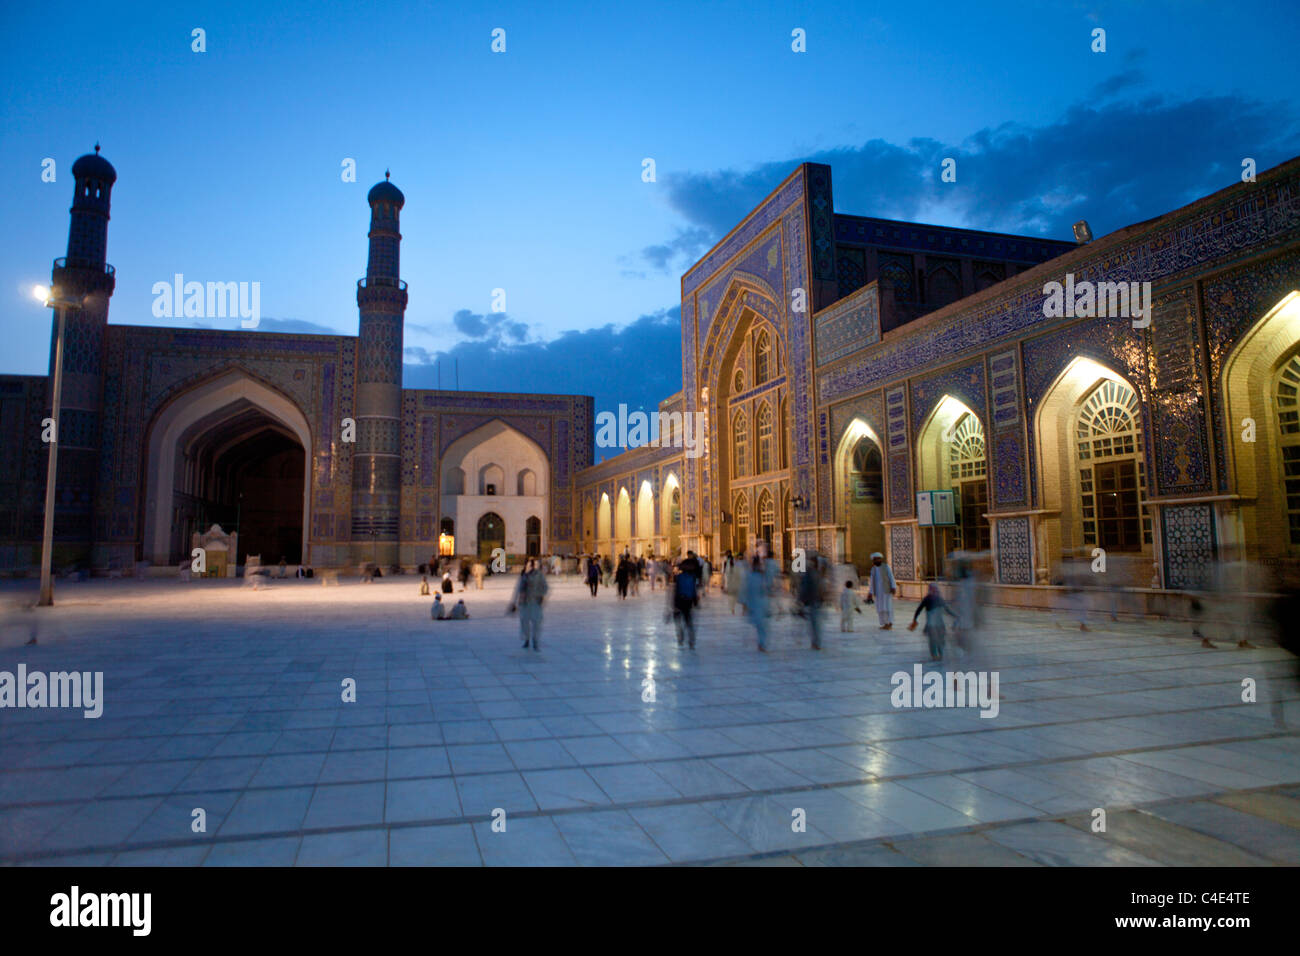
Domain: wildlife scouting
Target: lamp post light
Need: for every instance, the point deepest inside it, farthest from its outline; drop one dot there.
(53, 298)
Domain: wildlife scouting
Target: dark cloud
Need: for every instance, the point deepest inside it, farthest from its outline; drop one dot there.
(637, 365)
(1109, 159)
(688, 245)
(493, 327)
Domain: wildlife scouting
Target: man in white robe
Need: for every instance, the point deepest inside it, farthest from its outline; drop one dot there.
(882, 589)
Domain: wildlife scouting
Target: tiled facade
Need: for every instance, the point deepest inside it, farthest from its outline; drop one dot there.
(876, 350)
(121, 381)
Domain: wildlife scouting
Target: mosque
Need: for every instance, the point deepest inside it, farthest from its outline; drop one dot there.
(841, 370)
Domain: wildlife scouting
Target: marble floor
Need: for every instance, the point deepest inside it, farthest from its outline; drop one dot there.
(225, 738)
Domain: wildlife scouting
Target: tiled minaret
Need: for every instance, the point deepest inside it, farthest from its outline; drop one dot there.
(83, 277)
(376, 457)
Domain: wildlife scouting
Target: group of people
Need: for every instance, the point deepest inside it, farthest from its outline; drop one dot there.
(750, 582)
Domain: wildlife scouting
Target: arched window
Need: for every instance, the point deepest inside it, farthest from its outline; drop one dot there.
(762, 359)
(740, 519)
(764, 438)
(527, 482)
(868, 478)
(785, 433)
(966, 452)
(1112, 484)
(491, 480)
(533, 536)
(968, 471)
(740, 443)
(766, 519)
(1286, 394)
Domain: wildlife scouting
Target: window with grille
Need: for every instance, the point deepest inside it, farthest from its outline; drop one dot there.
(968, 471)
(766, 518)
(740, 443)
(764, 439)
(966, 450)
(1286, 396)
(1112, 480)
(741, 515)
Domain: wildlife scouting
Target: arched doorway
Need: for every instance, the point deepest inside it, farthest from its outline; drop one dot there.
(604, 526)
(1092, 466)
(533, 536)
(645, 519)
(951, 456)
(231, 451)
(622, 522)
(670, 516)
(491, 534)
(1261, 389)
(859, 495)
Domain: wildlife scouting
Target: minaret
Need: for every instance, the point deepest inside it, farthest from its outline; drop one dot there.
(377, 455)
(83, 277)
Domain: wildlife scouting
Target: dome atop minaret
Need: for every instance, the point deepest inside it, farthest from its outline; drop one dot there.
(383, 192)
(94, 166)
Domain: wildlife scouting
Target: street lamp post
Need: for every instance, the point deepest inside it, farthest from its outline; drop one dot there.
(61, 305)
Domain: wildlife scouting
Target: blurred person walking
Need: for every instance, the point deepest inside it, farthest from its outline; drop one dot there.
(529, 594)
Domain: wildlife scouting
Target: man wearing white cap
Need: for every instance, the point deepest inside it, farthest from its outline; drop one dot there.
(882, 588)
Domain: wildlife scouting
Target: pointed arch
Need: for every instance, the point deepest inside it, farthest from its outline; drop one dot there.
(1091, 467)
(205, 406)
(1259, 383)
(766, 460)
(645, 517)
(858, 475)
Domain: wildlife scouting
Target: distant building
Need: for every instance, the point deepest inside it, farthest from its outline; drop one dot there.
(307, 445)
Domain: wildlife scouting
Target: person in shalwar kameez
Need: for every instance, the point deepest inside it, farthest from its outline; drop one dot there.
(882, 588)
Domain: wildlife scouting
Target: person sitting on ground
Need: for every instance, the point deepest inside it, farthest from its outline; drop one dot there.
(439, 610)
(460, 612)
(447, 586)
(424, 586)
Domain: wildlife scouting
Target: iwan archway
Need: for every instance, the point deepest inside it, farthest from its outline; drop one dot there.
(231, 451)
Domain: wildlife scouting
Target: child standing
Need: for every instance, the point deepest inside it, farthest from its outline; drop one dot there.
(848, 604)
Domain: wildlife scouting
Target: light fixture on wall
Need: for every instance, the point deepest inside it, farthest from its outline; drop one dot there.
(799, 502)
(726, 517)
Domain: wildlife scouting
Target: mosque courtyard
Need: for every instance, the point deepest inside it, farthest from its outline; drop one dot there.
(613, 746)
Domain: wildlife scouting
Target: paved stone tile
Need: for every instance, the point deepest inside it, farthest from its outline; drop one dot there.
(1055, 844)
(558, 789)
(689, 832)
(209, 712)
(533, 841)
(960, 849)
(1144, 833)
(1254, 834)
(448, 845)
(350, 848)
(483, 793)
(434, 798)
(345, 804)
(267, 811)
(608, 838)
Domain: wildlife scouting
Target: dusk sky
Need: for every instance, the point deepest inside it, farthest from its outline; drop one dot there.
(522, 170)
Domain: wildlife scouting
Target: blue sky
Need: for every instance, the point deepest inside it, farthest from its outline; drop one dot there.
(522, 170)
